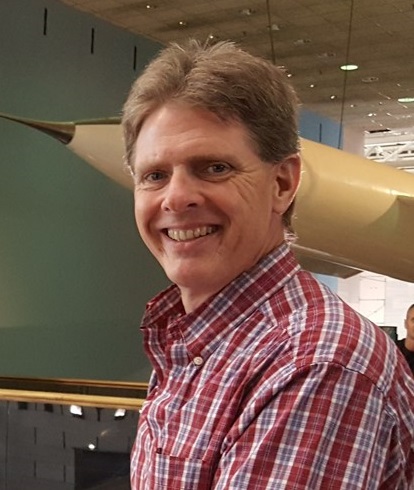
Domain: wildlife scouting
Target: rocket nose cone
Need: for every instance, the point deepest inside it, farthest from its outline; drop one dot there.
(62, 131)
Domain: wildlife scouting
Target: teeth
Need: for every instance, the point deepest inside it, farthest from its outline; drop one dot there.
(184, 235)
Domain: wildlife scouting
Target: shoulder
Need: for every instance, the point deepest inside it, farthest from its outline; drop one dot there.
(318, 327)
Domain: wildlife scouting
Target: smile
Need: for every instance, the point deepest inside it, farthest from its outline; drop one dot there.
(185, 235)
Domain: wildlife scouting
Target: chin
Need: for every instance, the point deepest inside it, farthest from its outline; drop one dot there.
(190, 277)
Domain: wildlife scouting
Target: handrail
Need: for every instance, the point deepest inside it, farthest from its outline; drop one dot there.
(103, 394)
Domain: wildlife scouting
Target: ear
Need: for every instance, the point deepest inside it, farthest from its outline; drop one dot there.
(286, 182)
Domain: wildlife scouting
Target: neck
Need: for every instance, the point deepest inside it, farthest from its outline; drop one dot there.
(192, 300)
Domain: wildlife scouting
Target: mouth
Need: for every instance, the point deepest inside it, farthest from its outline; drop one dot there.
(192, 234)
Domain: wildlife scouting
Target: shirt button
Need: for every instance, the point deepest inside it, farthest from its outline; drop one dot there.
(198, 361)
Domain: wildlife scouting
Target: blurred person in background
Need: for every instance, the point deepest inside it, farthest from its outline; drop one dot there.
(406, 345)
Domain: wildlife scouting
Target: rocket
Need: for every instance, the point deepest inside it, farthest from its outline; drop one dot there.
(351, 214)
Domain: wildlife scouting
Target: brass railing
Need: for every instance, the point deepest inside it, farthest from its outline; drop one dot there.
(103, 394)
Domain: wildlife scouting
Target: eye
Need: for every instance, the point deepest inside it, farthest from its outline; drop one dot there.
(151, 179)
(218, 168)
(154, 177)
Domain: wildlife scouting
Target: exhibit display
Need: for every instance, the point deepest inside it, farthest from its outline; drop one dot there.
(345, 202)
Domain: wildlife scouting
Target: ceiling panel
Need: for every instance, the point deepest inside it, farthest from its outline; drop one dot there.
(311, 38)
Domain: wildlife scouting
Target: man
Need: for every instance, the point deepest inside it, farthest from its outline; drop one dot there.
(263, 378)
(406, 345)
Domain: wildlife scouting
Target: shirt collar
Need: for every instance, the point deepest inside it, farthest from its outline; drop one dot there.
(205, 327)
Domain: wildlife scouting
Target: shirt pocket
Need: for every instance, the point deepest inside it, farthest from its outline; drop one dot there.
(175, 473)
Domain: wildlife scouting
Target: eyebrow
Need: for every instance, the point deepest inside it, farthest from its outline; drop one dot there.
(199, 159)
(212, 157)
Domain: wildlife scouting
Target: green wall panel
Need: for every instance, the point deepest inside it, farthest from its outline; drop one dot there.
(74, 275)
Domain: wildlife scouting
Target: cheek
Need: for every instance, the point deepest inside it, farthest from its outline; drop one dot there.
(145, 219)
(138, 217)
(141, 208)
(142, 224)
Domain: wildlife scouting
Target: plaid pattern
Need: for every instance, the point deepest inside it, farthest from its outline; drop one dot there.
(273, 384)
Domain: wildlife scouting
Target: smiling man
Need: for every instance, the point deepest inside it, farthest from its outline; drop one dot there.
(263, 378)
(197, 205)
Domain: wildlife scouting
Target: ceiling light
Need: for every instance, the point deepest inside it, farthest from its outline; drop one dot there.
(349, 67)
(370, 79)
(119, 413)
(327, 55)
(182, 23)
(312, 85)
(300, 42)
(406, 100)
(76, 411)
(275, 27)
(247, 12)
(333, 97)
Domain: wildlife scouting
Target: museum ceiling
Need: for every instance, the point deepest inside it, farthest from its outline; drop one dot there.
(311, 39)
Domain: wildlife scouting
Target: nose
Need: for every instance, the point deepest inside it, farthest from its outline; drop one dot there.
(183, 192)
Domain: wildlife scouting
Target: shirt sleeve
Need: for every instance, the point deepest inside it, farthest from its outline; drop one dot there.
(326, 428)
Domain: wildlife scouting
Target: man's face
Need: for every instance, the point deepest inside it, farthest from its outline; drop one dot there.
(205, 204)
(409, 323)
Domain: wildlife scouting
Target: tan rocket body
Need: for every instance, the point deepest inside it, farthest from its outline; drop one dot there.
(352, 214)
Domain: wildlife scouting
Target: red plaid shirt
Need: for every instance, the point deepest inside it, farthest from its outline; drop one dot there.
(274, 383)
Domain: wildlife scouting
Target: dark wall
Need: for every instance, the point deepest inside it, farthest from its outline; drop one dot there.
(74, 276)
